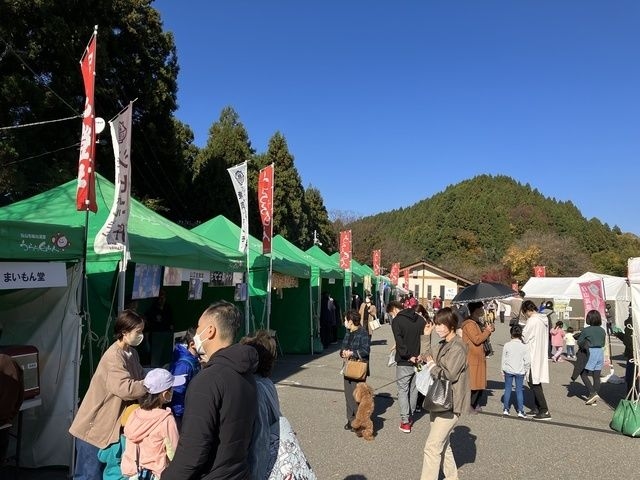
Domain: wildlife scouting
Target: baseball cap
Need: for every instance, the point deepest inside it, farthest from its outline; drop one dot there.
(159, 380)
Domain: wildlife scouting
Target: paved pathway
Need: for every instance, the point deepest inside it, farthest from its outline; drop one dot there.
(576, 442)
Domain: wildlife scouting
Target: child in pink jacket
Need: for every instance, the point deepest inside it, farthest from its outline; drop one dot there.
(557, 341)
(151, 431)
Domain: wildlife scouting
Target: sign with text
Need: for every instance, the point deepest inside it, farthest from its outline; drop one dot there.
(377, 254)
(17, 275)
(540, 271)
(345, 250)
(593, 296)
(395, 273)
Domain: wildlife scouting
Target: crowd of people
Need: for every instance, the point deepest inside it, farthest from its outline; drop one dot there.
(210, 414)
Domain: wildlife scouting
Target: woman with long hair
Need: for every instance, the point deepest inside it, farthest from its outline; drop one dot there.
(474, 334)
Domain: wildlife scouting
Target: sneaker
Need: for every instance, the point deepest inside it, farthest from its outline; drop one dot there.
(532, 413)
(405, 427)
(542, 416)
(348, 426)
(521, 415)
(592, 399)
(505, 412)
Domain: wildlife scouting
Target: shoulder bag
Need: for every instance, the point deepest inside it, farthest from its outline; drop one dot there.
(439, 395)
(286, 458)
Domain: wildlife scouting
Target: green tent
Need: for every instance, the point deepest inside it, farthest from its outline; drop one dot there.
(228, 233)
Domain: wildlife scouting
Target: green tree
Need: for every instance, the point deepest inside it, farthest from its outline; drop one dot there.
(228, 145)
(41, 43)
(290, 217)
(319, 219)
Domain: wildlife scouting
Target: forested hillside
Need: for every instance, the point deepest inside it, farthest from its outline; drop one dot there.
(495, 228)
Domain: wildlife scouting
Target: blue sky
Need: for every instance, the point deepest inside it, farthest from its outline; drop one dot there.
(386, 103)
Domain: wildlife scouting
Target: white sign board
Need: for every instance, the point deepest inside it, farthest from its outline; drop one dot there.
(450, 292)
(16, 275)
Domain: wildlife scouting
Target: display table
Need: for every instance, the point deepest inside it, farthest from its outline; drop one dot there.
(26, 405)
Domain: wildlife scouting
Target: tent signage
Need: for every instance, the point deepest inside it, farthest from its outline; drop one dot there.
(17, 275)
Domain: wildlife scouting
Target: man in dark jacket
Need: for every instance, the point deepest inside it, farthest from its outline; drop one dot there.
(221, 403)
(407, 328)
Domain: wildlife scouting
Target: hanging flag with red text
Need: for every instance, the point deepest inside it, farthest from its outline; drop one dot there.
(377, 255)
(86, 191)
(113, 234)
(406, 278)
(539, 271)
(593, 296)
(265, 204)
(345, 250)
(394, 276)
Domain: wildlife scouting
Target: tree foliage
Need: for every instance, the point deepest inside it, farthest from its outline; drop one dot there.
(495, 228)
(319, 219)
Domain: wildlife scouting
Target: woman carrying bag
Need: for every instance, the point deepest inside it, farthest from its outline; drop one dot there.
(355, 346)
(475, 334)
(450, 363)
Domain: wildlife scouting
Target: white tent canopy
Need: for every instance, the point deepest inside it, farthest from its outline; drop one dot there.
(616, 290)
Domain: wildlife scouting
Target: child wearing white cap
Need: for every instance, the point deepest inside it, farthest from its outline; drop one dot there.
(151, 431)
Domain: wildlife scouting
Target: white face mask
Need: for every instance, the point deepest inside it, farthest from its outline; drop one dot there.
(346, 325)
(136, 340)
(197, 343)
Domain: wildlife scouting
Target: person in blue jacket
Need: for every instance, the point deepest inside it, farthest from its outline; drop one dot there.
(186, 361)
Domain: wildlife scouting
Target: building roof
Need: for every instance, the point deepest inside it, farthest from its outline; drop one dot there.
(439, 270)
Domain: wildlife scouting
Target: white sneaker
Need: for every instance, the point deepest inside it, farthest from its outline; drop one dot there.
(591, 400)
(505, 412)
(521, 415)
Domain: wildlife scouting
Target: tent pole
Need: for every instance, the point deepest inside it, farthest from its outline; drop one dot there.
(247, 303)
(270, 274)
(311, 312)
(85, 290)
(122, 273)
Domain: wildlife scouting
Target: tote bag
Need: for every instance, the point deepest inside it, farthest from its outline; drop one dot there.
(439, 396)
(287, 458)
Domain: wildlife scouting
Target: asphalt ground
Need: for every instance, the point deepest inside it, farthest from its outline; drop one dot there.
(576, 442)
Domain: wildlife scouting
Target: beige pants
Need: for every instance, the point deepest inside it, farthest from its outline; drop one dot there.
(437, 450)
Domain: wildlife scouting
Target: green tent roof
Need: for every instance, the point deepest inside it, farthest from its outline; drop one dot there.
(226, 232)
(358, 271)
(321, 256)
(153, 239)
(326, 270)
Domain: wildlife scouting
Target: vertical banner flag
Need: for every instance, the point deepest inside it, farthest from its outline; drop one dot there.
(113, 234)
(376, 262)
(265, 203)
(86, 191)
(395, 273)
(593, 296)
(539, 271)
(239, 179)
(406, 278)
(345, 250)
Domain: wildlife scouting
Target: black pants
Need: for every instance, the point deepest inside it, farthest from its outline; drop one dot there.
(538, 396)
(595, 388)
(476, 396)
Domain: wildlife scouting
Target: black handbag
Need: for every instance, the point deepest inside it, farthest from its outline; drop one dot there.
(439, 396)
(488, 349)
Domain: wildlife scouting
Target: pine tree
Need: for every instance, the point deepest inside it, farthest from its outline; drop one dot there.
(319, 219)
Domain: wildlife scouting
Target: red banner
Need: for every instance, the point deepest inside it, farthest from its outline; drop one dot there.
(539, 271)
(265, 203)
(395, 273)
(345, 250)
(86, 192)
(406, 278)
(593, 296)
(377, 254)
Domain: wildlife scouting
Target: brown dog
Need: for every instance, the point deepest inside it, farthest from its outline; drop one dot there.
(362, 424)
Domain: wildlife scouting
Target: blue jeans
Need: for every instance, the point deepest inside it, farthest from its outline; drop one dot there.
(407, 391)
(88, 467)
(508, 382)
(570, 351)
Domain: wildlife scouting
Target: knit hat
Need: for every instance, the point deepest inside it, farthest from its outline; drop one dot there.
(159, 380)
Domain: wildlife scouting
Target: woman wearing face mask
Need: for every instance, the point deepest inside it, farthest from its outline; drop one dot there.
(118, 379)
(451, 362)
(355, 345)
(367, 312)
(474, 333)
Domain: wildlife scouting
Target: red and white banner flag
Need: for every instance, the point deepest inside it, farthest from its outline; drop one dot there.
(377, 255)
(406, 278)
(113, 234)
(539, 271)
(345, 250)
(593, 296)
(395, 273)
(239, 179)
(86, 191)
(265, 203)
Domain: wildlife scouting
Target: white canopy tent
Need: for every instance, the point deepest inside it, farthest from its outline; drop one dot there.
(616, 289)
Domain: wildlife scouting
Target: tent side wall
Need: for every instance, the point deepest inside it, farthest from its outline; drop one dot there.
(291, 317)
